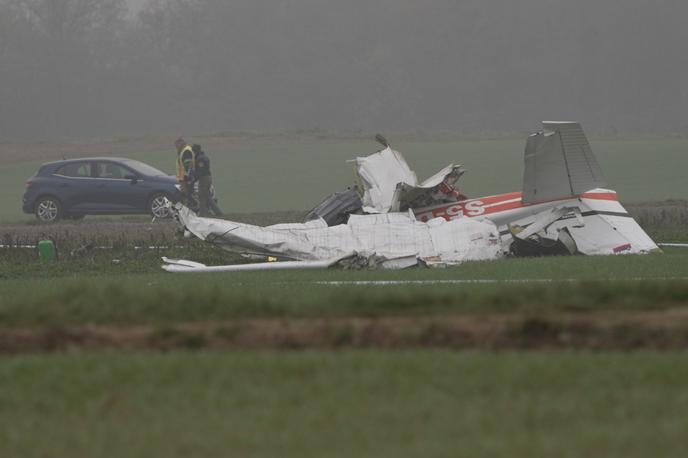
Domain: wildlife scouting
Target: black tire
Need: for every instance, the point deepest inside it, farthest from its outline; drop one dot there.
(158, 205)
(48, 209)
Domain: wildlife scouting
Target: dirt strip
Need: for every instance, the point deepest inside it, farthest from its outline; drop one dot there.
(663, 330)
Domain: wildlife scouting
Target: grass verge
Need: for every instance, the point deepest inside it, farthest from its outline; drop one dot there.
(430, 403)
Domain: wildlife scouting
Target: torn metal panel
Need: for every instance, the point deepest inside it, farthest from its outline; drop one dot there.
(568, 241)
(389, 184)
(562, 245)
(379, 174)
(540, 238)
(427, 193)
(559, 163)
(592, 226)
(336, 208)
(543, 221)
(391, 236)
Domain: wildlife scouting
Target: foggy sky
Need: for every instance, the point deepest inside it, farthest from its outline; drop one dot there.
(91, 68)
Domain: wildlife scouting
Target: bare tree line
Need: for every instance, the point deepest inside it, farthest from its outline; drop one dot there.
(89, 68)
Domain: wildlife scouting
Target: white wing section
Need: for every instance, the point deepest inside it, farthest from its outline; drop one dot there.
(388, 236)
(183, 266)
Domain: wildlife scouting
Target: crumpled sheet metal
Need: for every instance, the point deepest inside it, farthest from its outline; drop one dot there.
(596, 227)
(379, 174)
(610, 230)
(336, 208)
(388, 180)
(424, 194)
(390, 235)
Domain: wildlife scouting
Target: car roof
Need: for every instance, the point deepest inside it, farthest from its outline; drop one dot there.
(87, 159)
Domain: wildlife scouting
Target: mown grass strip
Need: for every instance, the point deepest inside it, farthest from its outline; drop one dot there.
(165, 298)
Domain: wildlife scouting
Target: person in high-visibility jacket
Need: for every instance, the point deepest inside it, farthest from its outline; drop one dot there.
(185, 166)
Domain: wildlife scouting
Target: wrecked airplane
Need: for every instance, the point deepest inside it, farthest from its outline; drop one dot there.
(386, 240)
(391, 220)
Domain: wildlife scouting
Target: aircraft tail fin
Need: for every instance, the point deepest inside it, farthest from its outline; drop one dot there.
(559, 163)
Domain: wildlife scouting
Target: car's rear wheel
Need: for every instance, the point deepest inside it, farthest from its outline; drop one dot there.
(48, 209)
(159, 205)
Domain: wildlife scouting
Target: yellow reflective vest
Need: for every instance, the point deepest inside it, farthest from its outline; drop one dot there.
(185, 164)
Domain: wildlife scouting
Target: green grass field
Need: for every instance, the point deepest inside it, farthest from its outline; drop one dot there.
(137, 291)
(269, 176)
(438, 403)
(203, 402)
(343, 404)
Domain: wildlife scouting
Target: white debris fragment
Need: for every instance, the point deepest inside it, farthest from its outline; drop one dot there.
(388, 183)
(379, 174)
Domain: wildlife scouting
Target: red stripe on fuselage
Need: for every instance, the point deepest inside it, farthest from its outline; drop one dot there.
(489, 200)
(494, 204)
(600, 195)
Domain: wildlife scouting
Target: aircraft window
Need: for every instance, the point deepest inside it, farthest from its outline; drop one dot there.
(76, 170)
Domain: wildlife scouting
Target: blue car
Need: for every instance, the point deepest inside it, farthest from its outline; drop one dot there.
(74, 188)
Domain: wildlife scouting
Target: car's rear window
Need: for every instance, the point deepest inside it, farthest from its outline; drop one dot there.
(75, 170)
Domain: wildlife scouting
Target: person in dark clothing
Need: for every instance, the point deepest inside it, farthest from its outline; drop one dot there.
(205, 183)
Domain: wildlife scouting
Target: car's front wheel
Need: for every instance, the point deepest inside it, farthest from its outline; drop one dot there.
(48, 209)
(159, 205)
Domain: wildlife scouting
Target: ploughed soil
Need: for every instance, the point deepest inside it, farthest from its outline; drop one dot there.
(659, 330)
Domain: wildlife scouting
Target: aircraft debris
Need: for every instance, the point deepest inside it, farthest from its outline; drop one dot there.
(335, 209)
(390, 220)
(538, 239)
(387, 183)
(389, 240)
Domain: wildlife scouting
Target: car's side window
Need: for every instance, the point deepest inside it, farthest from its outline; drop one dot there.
(111, 170)
(75, 170)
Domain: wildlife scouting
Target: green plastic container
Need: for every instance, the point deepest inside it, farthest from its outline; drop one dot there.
(46, 250)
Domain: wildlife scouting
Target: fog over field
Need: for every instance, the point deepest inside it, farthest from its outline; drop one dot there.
(89, 68)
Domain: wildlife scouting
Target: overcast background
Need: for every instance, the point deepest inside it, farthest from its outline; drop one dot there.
(86, 68)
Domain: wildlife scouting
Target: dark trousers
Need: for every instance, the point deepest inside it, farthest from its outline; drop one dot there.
(204, 195)
(187, 190)
(214, 208)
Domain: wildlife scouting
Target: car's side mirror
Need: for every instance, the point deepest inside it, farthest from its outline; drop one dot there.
(133, 178)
